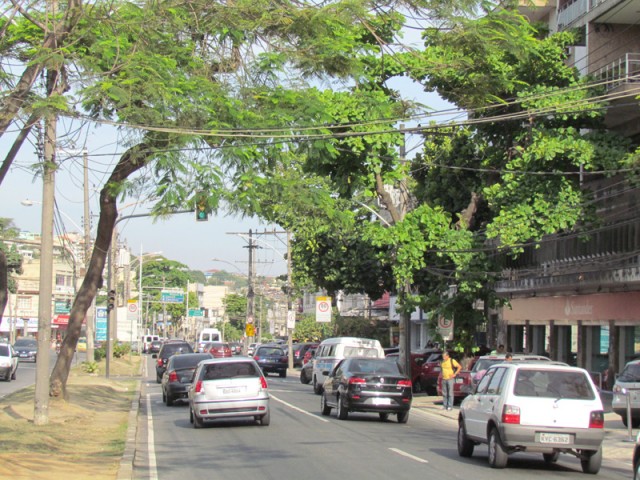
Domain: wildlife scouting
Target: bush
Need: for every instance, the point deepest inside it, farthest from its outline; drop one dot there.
(99, 354)
(120, 350)
(90, 367)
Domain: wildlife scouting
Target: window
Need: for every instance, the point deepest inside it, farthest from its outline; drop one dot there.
(482, 386)
(24, 303)
(496, 381)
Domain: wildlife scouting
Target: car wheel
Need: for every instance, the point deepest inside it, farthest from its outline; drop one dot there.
(324, 408)
(303, 377)
(342, 412)
(551, 457)
(465, 446)
(197, 421)
(317, 388)
(283, 374)
(635, 422)
(636, 471)
(265, 419)
(158, 378)
(190, 415)
(403, 417)
(169, 400)
(497, 456)
(164, 396)
(591, 460)
(13, 375)
(383, 416)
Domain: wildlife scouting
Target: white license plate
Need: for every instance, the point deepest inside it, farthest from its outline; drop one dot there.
(381, 401)
(562, 438)
(231, 390)
(459, 380)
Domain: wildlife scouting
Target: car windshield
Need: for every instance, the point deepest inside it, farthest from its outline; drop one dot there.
(484, 363)
(218, 371)
(187, 361)
(631, 373)
(25, 342)
(553, 384)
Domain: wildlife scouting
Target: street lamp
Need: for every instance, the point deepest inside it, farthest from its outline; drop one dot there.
(30, 203)
(140, 261)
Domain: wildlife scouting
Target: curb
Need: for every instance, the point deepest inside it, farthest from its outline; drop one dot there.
(125, 469)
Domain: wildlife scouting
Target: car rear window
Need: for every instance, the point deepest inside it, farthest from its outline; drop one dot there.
(168, 349)
(25, 343)
(389, 367)
(553, 384)
(270, 351)
(186, 361)
(217, 371)
(631, 373)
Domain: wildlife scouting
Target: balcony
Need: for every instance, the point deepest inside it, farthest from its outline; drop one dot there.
(537, 10)
(572, 11)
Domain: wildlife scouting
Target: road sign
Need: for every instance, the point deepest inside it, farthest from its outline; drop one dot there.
(196, 312)
(172, 297)
(323, 309)
(132, 310)
(250, 330)
(445, 328)
(250, 319)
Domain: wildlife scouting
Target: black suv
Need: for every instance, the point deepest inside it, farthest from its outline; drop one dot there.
(171, 347)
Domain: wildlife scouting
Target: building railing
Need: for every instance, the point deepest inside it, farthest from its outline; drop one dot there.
(571, 11)
(623, 70)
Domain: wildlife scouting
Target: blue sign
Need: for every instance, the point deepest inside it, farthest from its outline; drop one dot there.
(173, 297)
(101, 324)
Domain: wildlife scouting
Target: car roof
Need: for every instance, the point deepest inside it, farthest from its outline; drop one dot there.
(539, 366)
(236, 359)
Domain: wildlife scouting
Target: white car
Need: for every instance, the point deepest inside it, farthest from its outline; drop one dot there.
(8, 362)
(228, 387)
(544, 407)
(627, 387)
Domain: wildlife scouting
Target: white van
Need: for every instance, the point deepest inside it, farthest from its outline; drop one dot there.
(332, 350)
(145, 342)
(208, 335)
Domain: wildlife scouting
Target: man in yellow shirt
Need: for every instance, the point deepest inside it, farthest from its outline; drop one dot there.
(449, 369)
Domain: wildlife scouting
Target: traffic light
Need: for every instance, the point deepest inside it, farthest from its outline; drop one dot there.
(202, 207)
(111, 300)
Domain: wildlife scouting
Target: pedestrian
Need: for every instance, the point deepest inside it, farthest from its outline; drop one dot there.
(449, 369)
(508, 357)
(499, 351)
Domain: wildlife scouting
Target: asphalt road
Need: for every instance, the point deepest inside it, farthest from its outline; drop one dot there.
(301, 443)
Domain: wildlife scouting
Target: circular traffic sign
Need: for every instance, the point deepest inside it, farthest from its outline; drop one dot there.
(133, 307)
(444, 322)
(323, 306)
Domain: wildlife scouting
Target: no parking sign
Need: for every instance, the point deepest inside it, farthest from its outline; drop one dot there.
(323, 309)
(445, 328)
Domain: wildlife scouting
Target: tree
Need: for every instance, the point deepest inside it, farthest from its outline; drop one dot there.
(235, 307)
(10, 262)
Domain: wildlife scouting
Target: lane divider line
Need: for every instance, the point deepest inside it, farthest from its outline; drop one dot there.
(408, 455)
(151, 450)
(293, 407)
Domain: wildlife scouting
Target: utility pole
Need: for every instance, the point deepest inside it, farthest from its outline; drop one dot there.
(41, 400)
(90, 331)
(289, 309)
(251, 299)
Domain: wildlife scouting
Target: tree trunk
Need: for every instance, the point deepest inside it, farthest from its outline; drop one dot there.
(132, 160)
(4, 283)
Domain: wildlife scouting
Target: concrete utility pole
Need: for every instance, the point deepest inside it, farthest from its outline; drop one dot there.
(41, 400)
(251, 298)
(90, 330)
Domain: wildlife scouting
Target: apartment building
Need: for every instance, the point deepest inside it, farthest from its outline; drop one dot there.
(577, 297)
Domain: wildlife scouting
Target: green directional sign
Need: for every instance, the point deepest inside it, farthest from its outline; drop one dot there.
(195, 312)
(172, 297)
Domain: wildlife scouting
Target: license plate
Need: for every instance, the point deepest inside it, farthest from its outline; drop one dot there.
(562, 438)
(23, 355)
(459, 380)
(381, 401)
(232, 390)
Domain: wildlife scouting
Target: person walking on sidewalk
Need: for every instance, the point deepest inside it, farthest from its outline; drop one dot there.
(449, 369)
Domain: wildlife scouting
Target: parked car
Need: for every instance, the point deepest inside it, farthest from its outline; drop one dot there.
(628, 384)
(429, 373)
(178, 374)
(306, 372)
(26, 348)
(299, 350)
(8, 362)
(228, 388)
(359, 384)
(636, 459)
(467, 380)
(217, 349)
(170, 347)
(540, 407)
(272, 358)
(418, 359)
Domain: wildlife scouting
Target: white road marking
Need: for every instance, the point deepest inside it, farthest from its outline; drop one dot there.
(408, 455)
(153, 467)
(312, 415)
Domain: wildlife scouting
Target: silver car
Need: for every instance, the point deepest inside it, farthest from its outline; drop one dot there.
(627, 387)
(228, 388)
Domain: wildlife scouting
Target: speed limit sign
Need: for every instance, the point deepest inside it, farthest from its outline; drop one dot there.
(323, 309)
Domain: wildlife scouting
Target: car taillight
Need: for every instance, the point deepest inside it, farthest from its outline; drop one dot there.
(160, 363)
(596, 419)
(404, 383)
(256, 357)
(357, 381)
(511, 414)
(198, 386)
(263, 382)
(173, 376)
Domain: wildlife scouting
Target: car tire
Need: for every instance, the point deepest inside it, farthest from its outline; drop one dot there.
(283, 374)
(465, 446)
(591, 461)
(342, 411)
(497, 455)
(158, 378)
(265, 419)
(303, 377)
(551, 457)
(383, 416)
(190, 416)
(636, 471)
(317, 388)
(324, 408)
(164, 396)
(169, 400)
(197, 422)
(403, 417)
(13, 375)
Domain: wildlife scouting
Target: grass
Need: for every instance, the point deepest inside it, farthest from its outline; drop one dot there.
(85, 436)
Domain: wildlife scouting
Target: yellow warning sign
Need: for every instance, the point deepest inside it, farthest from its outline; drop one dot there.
(250, 330)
